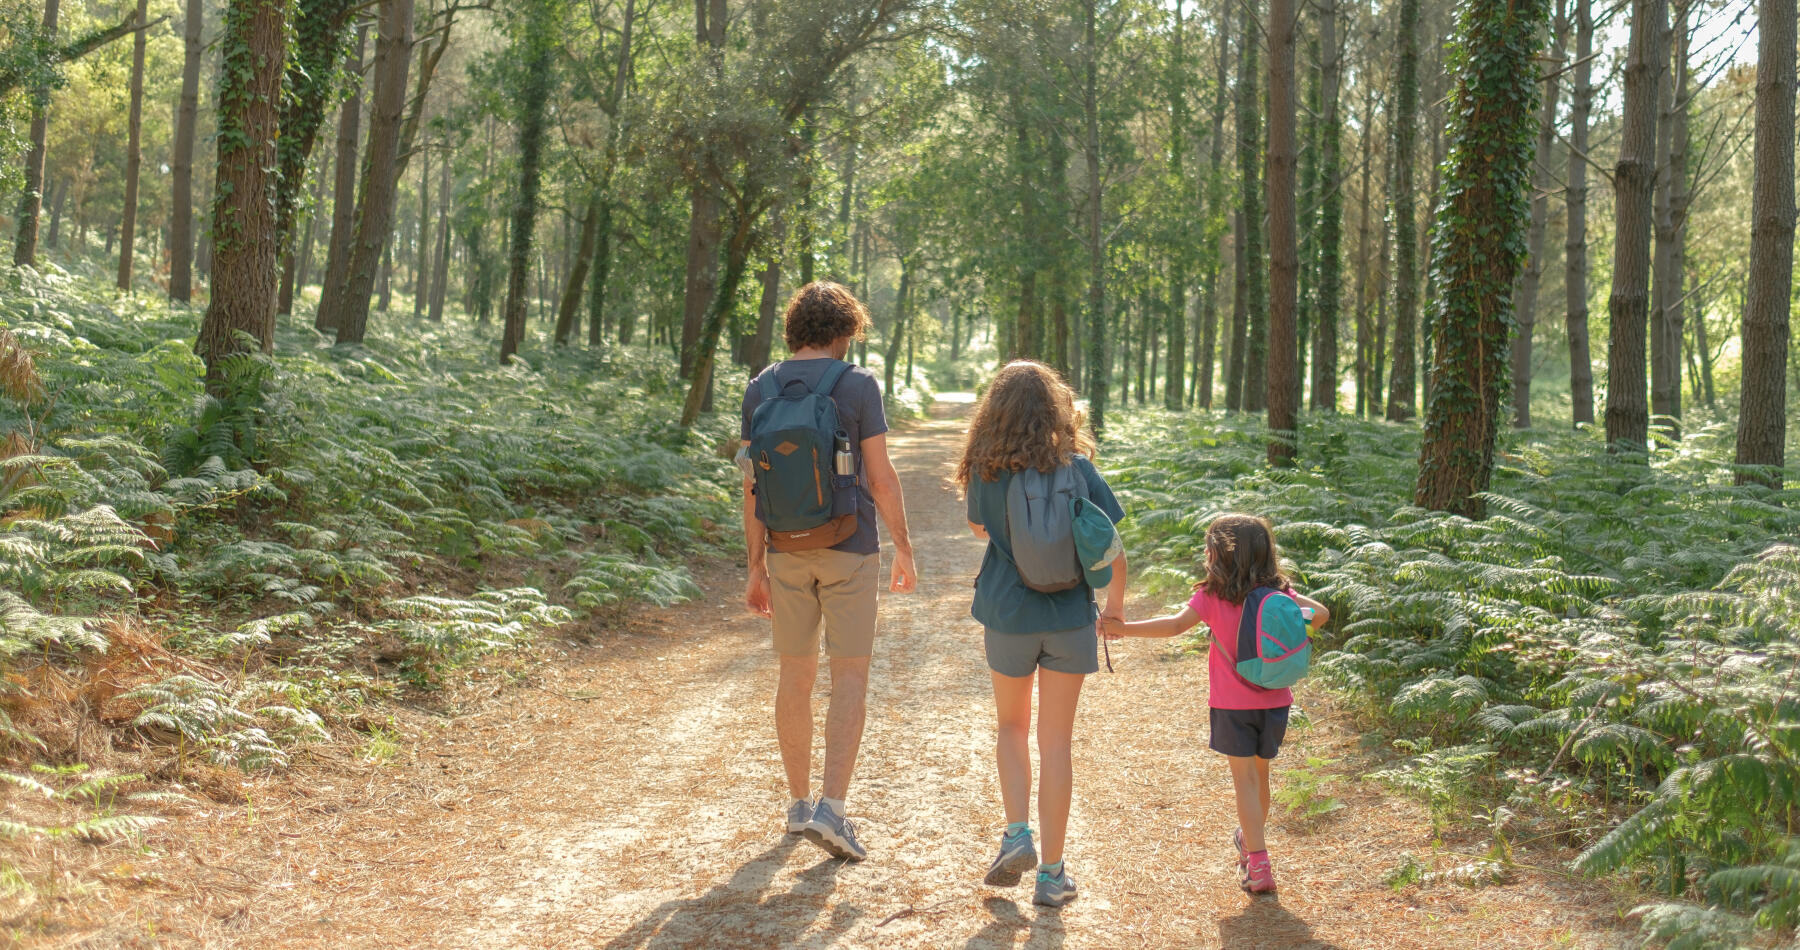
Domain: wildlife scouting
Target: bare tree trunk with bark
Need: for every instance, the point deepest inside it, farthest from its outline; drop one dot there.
(1634, 183)
(1575, 287)
(134, 152)
(1762, 414)
(1283, 392)
(343, 194)
(346, 305)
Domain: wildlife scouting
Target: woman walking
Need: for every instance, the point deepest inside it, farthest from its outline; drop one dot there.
(1028, 421)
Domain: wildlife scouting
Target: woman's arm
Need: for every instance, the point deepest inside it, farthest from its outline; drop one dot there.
(1169, 626)
(1321, 613)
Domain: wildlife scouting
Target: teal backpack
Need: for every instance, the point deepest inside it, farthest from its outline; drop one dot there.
(792, 438)
(1273, 645)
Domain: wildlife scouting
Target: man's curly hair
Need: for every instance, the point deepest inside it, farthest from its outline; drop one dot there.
(822, 313)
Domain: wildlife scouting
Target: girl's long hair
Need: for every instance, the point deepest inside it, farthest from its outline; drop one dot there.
(1241, 556)
(1026, 419)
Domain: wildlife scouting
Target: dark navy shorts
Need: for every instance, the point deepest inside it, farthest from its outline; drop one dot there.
(1249, 732)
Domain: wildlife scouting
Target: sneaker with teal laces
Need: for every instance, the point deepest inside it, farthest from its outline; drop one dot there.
(798, 814)
(1017, 855)
(833, 832)
(1054, 891)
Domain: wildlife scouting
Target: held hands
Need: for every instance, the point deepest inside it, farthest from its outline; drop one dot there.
(905, 576)
(1112, 628)
(756, 593)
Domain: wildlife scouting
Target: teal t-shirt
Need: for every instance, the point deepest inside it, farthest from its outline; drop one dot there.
(1002, 601)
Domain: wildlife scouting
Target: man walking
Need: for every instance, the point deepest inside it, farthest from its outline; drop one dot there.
(816, 472)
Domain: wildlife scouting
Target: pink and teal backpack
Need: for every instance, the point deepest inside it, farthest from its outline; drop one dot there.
(1273, 645)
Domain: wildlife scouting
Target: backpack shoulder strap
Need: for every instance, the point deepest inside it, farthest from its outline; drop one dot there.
(829, 381)
(1246, 634)
(771, 387)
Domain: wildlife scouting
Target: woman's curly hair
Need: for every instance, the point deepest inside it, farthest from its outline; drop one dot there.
(822, 313)
(1240, 557)
(1026, 419)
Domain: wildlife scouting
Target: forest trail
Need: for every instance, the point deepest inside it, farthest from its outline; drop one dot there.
(631, 796)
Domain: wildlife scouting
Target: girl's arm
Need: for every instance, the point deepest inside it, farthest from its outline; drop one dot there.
(1169, 626)
(1321, 613)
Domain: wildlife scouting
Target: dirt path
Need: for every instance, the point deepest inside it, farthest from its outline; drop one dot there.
(631, 797)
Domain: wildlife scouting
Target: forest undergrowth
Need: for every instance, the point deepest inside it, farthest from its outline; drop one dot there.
(192, 583)
(1608, 660)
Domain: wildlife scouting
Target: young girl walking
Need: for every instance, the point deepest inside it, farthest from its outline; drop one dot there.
(1248, 722)
(1028, 420)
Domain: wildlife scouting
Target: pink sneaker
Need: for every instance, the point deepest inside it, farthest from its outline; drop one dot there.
(1259, 876)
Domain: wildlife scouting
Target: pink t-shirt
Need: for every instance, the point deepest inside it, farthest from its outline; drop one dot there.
(1225, 688)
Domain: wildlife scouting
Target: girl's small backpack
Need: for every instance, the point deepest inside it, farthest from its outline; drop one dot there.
(1273, 645)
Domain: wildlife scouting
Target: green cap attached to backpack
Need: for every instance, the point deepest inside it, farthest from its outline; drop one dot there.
(1097, 542)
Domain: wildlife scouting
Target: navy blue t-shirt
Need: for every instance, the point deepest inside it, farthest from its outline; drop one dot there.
(860, 413)
(1002, 601)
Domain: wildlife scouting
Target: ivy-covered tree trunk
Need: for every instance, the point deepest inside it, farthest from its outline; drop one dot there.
(181, 158)
(1634, 182)
(1762, 413)
(1667, 281)
(533, 50)
(346, 305)
(320, 30)
(738, 245)
(1575, 271)
(31, 199)
(134, 152)
(1403, 392)
(1283, 392)
(1331, 215)
(609, 163)
(1479, 245)
(343, 193)
(1525, 307)
(243, 216)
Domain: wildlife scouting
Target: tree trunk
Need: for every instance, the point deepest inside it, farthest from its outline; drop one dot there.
(134, 152)
(1096, 247)
(303, 271)
(762, 341)
(1175, 321)
(737, 256)
(1234, 357)
(1331, 216)
(1364, 343)
(422, 248)
(318, 46)
(243, 217)
(1668, 283)
(1255, 341)
(346, 305)
(343, 196)
(567, 309)
(1479, 249)
(181, 159)
(902, 312)
(1703, 350)
(1634, 181)
(1762, 414)
(441, 278)
(1403, 393)
(536, 49)
(31, 200)
(1283, 393)
(704, 226)
(1525, 307)
(1581, 99)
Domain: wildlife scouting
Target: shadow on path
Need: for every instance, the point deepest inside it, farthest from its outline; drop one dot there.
(1043, 930)
(1265, 923)
(739, 912)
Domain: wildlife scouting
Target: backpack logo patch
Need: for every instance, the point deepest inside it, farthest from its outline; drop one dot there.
(787, 448)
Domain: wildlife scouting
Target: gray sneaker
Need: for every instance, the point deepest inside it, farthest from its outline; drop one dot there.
(834, 833)
(1017, 855)
(1054, 891)
(799, 813)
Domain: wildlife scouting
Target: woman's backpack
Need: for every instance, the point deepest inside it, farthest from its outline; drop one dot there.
(802, 503)
(1040, 527)
(1274, 647)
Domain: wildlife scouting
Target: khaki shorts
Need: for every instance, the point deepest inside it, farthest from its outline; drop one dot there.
(837, 587)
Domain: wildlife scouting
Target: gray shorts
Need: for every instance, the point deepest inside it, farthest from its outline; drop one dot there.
(1065, 651)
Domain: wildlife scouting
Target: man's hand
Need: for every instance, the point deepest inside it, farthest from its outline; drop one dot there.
(905, 577)
(756, 593)
(1112, 628)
